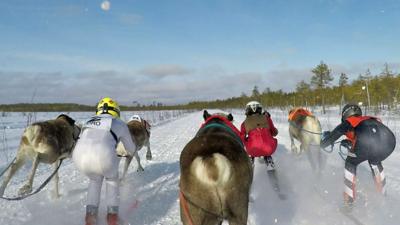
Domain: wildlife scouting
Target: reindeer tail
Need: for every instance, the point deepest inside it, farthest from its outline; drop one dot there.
(213, 170)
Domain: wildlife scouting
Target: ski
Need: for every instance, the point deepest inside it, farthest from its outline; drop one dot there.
(347, 213)
(350, 216)
(273, 178)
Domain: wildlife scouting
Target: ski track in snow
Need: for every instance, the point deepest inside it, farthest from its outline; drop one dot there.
(151, 197)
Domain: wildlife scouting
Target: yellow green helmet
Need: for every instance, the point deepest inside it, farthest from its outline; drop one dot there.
(107, 105)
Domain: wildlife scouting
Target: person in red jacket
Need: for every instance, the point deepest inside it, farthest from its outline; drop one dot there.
(258, 132)
(367, 139)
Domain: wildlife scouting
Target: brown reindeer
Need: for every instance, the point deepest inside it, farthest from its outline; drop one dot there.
(216, 175)
(140, 132)
(45, 142)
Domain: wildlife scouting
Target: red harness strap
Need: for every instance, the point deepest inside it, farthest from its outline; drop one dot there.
(354, 122)
(293, 114)
(184, 204)
(226, 122)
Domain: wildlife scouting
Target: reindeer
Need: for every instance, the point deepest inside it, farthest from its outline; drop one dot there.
(140, 132)
(216, 174)
(306, 128)
(43, 142)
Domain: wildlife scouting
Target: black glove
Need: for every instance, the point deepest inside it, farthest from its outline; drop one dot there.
(347, 144)
(325, 135)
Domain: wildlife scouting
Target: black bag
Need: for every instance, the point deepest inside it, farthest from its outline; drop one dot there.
(375, 141)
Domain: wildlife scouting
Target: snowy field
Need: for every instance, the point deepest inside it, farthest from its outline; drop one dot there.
(151, 197)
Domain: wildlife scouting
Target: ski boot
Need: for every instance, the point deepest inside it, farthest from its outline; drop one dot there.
(112, 219)
(269, 163)
(348, 203)
(91, 215)
(112, 215)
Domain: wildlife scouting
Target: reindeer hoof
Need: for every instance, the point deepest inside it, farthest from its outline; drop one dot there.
(26, 189)
(140, 169)
(149, 157)
(55, 196)
(299, 152)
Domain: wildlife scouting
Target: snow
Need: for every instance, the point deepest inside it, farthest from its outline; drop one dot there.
(151, 197)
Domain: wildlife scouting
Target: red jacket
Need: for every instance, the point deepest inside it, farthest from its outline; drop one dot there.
(260, 141)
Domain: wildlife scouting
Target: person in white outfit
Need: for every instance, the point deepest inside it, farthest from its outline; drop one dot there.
(95, 156)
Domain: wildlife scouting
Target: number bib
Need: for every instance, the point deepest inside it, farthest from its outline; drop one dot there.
(98, 123)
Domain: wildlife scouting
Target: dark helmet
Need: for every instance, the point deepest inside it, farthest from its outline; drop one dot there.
(351, 110)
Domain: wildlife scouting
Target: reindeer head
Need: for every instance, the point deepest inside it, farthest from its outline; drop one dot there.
(207, 115)
(71, 122)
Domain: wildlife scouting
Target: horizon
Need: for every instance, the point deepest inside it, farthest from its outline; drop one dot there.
(179, 51)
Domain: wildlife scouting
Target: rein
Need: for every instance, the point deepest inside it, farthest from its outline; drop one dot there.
(1, 174)
(341, 153)
(184, 203)
(300, 128)
(37, 190)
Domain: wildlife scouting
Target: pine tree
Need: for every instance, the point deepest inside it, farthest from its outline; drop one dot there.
(303, 89)
(386, 71)
(343, 80)
(267, 90)
(322, 76)
(321, 79)
(255, 92)
(302, 86)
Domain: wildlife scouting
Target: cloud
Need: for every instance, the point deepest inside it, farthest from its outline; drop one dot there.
(287, 79)
(208, 83)
(353, 70)
(201, 87)
(84, 88)
(88, 88)
(165, 70)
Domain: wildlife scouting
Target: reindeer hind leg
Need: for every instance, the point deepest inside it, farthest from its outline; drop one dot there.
(310, 156)
(56, 180)
(15, 166)
(149, 156)
(27, 188)
(128, 161)
(292, 144)
(140, 167)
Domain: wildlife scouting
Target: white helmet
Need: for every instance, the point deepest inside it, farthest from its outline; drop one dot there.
(253, 107)
(136, 118)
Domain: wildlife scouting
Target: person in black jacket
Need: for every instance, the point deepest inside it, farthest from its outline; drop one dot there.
(367, 139)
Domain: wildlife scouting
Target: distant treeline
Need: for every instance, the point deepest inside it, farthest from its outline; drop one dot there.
(375, 90)
(45, 107)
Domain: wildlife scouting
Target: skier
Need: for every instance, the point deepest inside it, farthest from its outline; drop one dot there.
(95, 156)
(258, 132)
(367, 139)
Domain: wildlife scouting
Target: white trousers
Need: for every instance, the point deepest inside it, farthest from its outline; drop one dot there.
(98, 161)
(94, 191)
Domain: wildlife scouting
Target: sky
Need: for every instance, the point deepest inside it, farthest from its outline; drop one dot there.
(177, 51)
